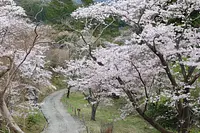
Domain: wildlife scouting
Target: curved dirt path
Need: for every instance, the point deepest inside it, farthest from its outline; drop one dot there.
(59, 121)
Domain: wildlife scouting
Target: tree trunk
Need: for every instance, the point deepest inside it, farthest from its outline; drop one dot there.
(144, 116)
(7, 116)
(152, 122)
(93, 114)
(185, 118)
(68, 91)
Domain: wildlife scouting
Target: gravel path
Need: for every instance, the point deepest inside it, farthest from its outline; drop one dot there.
(59, 121)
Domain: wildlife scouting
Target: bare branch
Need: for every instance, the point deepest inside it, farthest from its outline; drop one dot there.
(23, 60)
(190, 71)
(104, 30)
(150, 120)
(89, 46)
(178, 40)
(194, 79)
(164, 63)
(38, 13)
(183, 71)
(141, 79)
(96, 28)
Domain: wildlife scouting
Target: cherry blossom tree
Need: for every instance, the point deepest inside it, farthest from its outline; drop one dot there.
(94, 93)
(161, 54)
(21, 56)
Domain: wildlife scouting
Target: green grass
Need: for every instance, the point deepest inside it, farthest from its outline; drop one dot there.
(33, 123)
(106, 114)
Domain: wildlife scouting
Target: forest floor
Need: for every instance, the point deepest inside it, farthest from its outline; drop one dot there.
(59, 121)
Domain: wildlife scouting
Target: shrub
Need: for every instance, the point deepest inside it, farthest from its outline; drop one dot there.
(163, 114)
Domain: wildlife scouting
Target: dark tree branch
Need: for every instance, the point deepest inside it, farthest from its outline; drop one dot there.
(144, 116)
(183, 71)
(178, 40)
(194, 79)
(121, 82)
(164, 63)
(190, 71)
(141, 79)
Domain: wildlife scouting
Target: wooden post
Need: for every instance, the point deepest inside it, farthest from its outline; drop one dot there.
(106, 128)
(78, 110)
(87, 129)
(75, 111)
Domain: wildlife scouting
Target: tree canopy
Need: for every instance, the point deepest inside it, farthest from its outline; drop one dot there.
(158, 60)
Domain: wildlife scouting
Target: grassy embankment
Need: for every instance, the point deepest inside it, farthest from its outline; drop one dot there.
(106, 114)
(35, 123)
